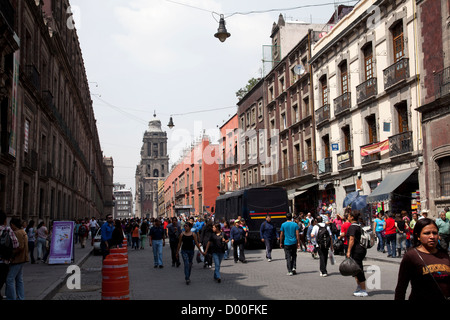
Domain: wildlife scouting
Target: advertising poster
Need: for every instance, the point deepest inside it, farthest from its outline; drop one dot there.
(61, 246)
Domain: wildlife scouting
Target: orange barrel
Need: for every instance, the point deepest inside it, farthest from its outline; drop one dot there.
(122, 251)
(124, 242)
(115, 279)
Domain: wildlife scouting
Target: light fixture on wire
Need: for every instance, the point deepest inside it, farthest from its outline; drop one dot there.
(170, 124)
(222, 33)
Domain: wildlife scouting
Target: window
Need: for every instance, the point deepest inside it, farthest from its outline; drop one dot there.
(444, 176)
(368, 62)
(324, 91)
(402, 113)
(344, 77)
(346, 135)
(326, 146)
(397, 36)
(372, 129)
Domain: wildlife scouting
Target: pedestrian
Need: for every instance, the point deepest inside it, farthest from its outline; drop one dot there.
(83, 233)
(226, 229)
(205, 235)
(322, 237)
(217, 245)
(41, 241)
(378, 226)
(143, 233)
(357, 252)
(6, 254)
(245, 228)
(425, 266)
(31, 234)
(173, 233)
(344, 229)
(157, 241)
(390, 233)
(117, 235)
(14, 281)
(107, 230)
(135, 236)
(75, 232)
(290, 241)
(444, 230)
(187, 242)
(269, 235)
(311, 247)
(402, 229)
(93, 226)
(237, 236)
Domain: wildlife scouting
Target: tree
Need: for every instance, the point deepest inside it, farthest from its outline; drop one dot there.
(249, 86)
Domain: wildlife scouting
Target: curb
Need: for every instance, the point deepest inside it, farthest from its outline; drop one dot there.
(48, 293)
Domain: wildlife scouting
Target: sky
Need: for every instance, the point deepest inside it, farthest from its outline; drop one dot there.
(147, 56)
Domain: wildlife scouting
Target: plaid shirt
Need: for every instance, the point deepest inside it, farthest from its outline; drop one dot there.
(12, 235)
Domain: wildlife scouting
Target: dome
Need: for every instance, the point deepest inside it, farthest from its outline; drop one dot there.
(154, 125)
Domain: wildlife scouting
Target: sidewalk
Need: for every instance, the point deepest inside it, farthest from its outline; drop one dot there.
(42, 281)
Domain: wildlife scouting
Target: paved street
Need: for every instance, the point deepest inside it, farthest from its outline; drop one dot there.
(256, 280)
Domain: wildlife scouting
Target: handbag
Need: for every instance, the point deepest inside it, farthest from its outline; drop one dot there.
(349, 267)
(310, 248)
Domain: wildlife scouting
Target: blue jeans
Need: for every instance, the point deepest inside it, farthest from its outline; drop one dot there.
(269, 245)
(380, 245)
(188, 256)
(14, 283)
(217, 257)
(391, 244)
(157, 252)
(227, 252)
(41, 247)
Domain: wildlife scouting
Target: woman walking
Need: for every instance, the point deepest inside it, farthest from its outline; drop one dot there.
(426, 266)
(41, 241)
(187, 242)
(217, 244)
(31, 234)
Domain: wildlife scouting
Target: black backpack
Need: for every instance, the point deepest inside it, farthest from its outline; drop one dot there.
(82, 231)
(6, 246)
(323, 238)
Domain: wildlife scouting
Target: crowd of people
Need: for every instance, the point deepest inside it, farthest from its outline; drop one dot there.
(322, 236)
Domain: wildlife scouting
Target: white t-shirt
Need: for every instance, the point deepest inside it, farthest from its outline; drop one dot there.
(315, 231)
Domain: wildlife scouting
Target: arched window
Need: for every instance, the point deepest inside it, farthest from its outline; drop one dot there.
(155, 173)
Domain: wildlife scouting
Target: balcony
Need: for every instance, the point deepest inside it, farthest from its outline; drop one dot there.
(396, 73)
(371, 157)
(33, 76)
(442, 83)
(345, 160)
(199, 185)
(342, 103)
(325, 165)
(322, 114)
(30, 161)
(366, 90)
(400, 144)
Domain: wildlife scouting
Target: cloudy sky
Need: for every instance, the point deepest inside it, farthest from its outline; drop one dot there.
(143, 56)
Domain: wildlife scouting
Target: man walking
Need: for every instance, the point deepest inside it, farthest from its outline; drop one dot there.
(174, 232)
(107, 230)
(157, 241)
(322, 237)
(444, 230)
(290, 240)
(269, 234)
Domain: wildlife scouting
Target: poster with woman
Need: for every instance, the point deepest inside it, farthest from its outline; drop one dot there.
(61, 246)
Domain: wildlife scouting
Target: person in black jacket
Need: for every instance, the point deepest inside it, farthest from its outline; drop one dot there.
(269, 235)
(206, 234)
(237, 236)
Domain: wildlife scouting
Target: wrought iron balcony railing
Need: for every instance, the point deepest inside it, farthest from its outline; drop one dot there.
(366, 90)
(395, 73)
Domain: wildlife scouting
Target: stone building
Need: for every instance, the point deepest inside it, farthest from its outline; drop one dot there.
(153, 167)
(368, 133)
(51, 163)
(434, 41)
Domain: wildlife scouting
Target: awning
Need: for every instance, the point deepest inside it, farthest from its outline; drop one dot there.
(393, 180)
(292, 195)
(307, 186)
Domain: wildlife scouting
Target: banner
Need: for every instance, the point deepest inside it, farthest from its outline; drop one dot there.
(375, 148)
(13, 105)
(61, 246)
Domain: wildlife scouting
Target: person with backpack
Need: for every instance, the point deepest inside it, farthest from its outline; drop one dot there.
(83, 233)
(8, 242)
(322, 238)
(14, 281)
(357, 252)
(269, 235)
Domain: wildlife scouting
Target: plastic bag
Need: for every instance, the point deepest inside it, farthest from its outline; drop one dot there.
(332, 258)
(349, 267)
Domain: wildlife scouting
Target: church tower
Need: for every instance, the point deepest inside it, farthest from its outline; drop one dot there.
(153, 168)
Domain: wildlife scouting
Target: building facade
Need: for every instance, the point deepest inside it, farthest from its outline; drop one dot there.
(123, 203)
(229, 168)
(366, 95)
(153, 167)
(192, 185)
(51, 163)
(433, 41)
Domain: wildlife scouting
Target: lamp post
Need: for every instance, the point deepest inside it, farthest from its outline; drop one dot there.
(222, 33)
